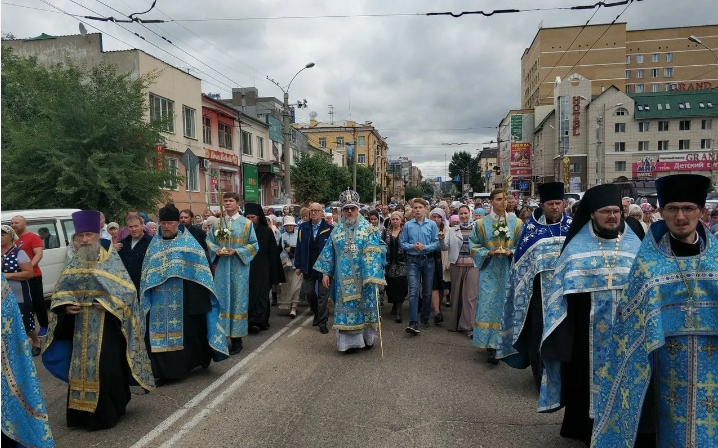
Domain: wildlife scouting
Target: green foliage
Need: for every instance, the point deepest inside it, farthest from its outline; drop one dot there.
(427, 187)
(311, 177)
(411, 192)
(77, 138)
(460, 162)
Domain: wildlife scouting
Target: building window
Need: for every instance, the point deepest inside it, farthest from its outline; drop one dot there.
(662, 126)
(575, 167)
(171, 168)
(643, 146)
(628, 74)
(707, 123)
(705, 143)
(639, 88)
(361, 159)
(619, 147)
(667, 87)
(668, 72)
(361, 141)
(684, 125)
(192, 178)
(162, 111)
(628, 59)
(260, 147)
(322, 142)
(663, 145)
(188, 119)
(669, 57)
(654, 57)
(207, 130)
(639, 74)
(621, 111)
(639, 59)
(619, 165)
(684, 144)
(654, 73)
(644, 126)
(340, 142)
(246, 143)
(225, 135)
(628, 88)
(620, 127)
(654, 88)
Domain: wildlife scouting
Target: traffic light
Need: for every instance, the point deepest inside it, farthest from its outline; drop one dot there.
(497, 170)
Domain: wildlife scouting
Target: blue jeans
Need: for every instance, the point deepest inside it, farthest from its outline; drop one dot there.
(419, 271)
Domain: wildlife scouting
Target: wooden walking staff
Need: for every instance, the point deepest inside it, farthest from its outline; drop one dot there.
(378, 318)
(222, 218)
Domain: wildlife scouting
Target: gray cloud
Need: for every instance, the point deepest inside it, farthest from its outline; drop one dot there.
(401, 73)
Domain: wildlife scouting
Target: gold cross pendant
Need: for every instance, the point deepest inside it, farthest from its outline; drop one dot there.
(610, 280)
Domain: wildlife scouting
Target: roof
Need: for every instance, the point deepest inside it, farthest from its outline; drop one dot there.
(545, 119)
(488, 153)
(675, 104)
(42, 36)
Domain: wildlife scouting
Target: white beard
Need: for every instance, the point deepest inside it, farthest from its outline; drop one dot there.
(89, 253)
(350, 222)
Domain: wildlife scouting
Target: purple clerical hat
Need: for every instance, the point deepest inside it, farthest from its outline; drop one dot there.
(86, 221)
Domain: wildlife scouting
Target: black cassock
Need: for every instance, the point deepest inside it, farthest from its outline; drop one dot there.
(197, 351)
(265, 270)
(114, 375)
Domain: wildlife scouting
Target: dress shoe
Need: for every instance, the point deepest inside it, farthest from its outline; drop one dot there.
(492, 357)
(349, 351)
(254, 329)
(323, 329)
(438, 318)
(398, 318)
(315, 321)
(237, 346)
(368, 347)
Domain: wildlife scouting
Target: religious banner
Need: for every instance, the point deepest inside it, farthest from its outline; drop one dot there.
(521, 159)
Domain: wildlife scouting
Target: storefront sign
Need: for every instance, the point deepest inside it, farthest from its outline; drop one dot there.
(275, 169)
(275, 129)
(576, 110)
(521, 159)
(517, 123)
(650, 167)
(221, 157)
(679, 86)
(250, 182)
(160, 156)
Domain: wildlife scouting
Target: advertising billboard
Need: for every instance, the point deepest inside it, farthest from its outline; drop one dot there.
(650, 167)
(521, 159)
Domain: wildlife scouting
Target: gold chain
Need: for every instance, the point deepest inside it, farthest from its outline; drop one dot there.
(615, 251)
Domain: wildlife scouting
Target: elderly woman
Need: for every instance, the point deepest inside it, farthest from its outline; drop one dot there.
(437, 289)
(17, 269)
(648, 217)
(635, 211)
(397, 286)
(464, 274)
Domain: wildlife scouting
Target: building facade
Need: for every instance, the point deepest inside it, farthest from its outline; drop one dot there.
(221, 151)
(634, 61)
(487, 161)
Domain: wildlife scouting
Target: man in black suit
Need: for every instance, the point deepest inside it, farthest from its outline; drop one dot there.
(133, 249)
(186, 219)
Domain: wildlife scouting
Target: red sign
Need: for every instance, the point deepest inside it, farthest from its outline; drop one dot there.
(576, 109)
(521, 159)
(705, 85)
(160, 159)
(222, 157)
(649, 167)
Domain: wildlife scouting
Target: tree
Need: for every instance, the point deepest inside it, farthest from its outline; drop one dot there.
(77, 138)
(427, 187)
(411, 192)
(311, 176)
(460, 162)
(366, 185)
(340, 178)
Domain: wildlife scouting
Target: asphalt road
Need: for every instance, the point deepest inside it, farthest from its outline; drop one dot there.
(291, 388)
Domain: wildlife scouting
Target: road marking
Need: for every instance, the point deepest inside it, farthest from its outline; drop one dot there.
(197, 399)
(306, 322)
(296, 330)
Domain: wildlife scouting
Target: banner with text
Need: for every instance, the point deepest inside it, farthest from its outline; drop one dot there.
(521, 159)
(517, 124)
(250, 182)
(650, 167)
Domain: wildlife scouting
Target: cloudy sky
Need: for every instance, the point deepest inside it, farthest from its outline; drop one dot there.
(424, 82)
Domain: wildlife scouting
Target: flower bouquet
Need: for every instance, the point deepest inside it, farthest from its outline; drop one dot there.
(501, 233)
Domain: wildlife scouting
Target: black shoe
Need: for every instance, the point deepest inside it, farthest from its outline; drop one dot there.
(492, 357)
(159, 382)
(315, 321)
(413, 329)
(439, 318)
(237, 346)
(398, 319)
(349, 351)
(254, 329)
(368, 347)
(323, 329)
(425, 324)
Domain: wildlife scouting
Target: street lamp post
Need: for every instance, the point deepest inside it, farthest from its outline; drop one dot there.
(714, 160)
(286, 148)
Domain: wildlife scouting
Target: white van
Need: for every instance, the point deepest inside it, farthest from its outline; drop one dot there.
(59, 226)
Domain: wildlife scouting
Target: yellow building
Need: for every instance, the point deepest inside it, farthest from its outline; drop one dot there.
(371, 147)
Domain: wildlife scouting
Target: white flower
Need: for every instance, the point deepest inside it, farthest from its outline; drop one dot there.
(505, 229)
(496, 232)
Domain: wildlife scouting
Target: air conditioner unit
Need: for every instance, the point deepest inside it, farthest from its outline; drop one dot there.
(205, 164)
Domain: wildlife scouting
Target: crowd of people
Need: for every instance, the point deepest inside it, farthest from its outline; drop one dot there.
(611, 304)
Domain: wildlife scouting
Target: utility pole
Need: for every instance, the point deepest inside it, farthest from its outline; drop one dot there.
(287, 150)
(356, 156)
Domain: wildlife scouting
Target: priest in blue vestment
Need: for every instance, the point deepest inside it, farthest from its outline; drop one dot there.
(232, 245)
(352, 261)
(531, 277)
(579, 310)
(492, 241)
(179, 301)
(24, 416)
(95, 339)
(662, 368)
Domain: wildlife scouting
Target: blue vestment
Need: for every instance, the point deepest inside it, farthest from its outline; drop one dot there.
(582, 268)
(231, 277)
(356, 272)
(107, 283)
(536, 254)
(167, 264)
(493, 276)
(24, 416)
(667, 334)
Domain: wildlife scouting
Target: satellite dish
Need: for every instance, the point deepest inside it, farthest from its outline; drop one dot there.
(83, 30)
(313, 115)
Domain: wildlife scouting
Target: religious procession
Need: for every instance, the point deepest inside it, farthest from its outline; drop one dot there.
(613, 313)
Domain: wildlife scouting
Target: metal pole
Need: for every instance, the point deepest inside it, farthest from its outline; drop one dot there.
(287, 150)
(602, 153)
(374, 180)
(356, 157)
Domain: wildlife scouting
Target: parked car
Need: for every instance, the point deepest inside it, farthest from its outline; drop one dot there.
(58, 223)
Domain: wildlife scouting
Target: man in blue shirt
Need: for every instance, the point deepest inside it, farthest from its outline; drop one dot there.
(419, 238)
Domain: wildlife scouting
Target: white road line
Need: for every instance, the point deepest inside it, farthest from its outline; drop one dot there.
(197, 399)
(306, 322)
(296, 330)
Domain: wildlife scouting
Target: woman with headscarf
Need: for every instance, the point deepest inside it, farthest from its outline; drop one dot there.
(464, 274)
(636, 212)
(17, 269)
(438, 286)
(397, 286)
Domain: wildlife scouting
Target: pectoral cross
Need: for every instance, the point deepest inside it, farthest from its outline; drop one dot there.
(690, 309)
(351, 248)
(609, 277)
